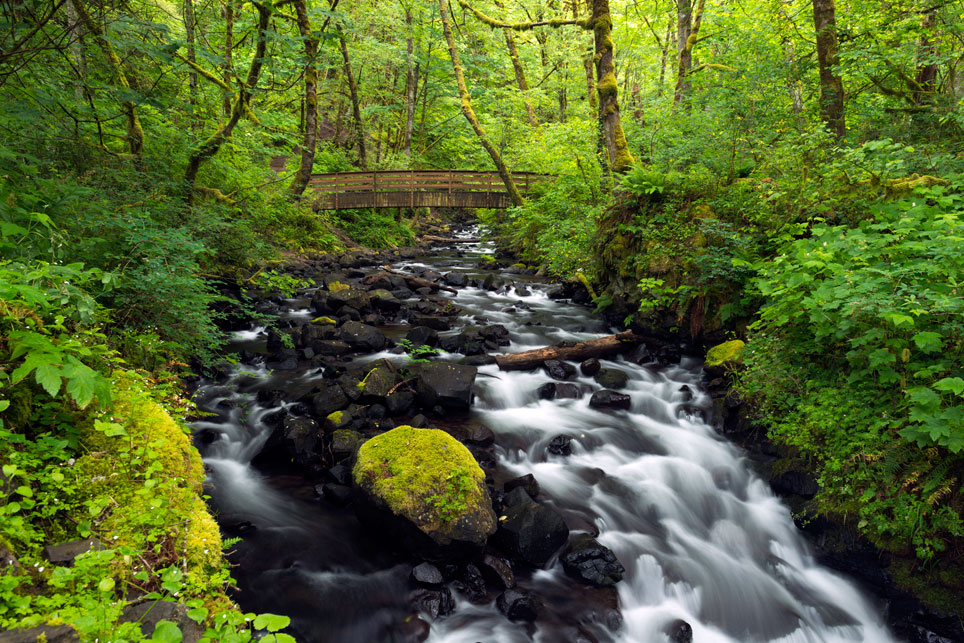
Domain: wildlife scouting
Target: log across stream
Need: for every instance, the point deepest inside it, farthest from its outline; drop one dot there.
(710, 554)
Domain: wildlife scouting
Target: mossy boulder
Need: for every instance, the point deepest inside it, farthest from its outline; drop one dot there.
(423, 489)
(726, 355)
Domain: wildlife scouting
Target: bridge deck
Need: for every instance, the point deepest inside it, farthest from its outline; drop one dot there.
(416, 188)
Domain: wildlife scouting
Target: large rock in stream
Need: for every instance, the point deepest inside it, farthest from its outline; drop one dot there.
(445, 384)
(424, 491)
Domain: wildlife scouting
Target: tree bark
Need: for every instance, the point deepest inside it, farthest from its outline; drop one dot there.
(411, 83)
(309, 138)
(189, 28)
(687, 32)
(240, 107)
(469, 113)
(607, 88)
(355, 106)
(75, 30)
(520, 78)
(828, 51)
(926, 77)
(228, 69)
(602, 347)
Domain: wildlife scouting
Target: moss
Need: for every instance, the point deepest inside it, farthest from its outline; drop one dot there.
(337, 286)
(938, 587)
(425, 475)
(336, 417)
(328, 321)
(727, 353)
(607, 86)
(908, 184)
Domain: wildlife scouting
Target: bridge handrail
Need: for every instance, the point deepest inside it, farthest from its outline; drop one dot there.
(412, 180)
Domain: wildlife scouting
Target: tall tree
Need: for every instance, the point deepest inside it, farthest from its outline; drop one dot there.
(687, 35)
(828, 58)
(310, 134)
(355, 104)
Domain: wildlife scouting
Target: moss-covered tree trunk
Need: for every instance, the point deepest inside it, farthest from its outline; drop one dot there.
(687, 33)
(355, 105)
(240, 108)
(469, 113)
(926, 78)
(620, 159)
(189, 29)
(227, 69)
(310, 136)
(520, 78)
(828, 57)
(411, 83)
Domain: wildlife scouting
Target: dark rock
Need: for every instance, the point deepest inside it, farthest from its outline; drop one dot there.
(516, 496)
(522, 291)
(592, 563)
(445, 384)
(420, 421)
(329, 399)
(590, 367)
(288, 364)
(456, 279)
(274, 343)
(300, 440)
(517, 606)
(610, 400)
(547, 391)
(47, 633)
(611, 378)
(363, 338)
(686, 394)
(527, 482)
(337, 494)
(431, 321)
(794, 483)
(434, 602)
(422, 336)
(357, 300)
(531, 533)
(466, 342)
(496, 333)
(65, 553)
(319, 303)
(399, 402)
(560, 445)
(384, 300)
(311, 333)
(477, 360)
(347, 314)
(339, 474)
(377, 383)
(559, 370)
(330, 347)
(427, 574)
(566, 391)
(680, 631)
(472, 584)
(497, 572)
(345, 444)
(150, 613)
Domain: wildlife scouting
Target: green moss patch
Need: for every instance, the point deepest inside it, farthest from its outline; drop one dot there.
(727, 353)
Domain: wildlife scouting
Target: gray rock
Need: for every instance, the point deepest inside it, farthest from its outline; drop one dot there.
(591, 563)
(445, 384)
(611, 378)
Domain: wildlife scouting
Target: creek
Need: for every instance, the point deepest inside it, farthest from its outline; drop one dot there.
(703, 539)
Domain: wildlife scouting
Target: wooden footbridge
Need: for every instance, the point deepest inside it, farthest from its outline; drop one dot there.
(416, 188)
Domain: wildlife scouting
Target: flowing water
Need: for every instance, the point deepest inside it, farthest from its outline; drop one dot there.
(702, 538)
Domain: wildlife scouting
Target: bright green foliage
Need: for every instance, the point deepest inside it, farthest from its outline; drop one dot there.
(727, 353)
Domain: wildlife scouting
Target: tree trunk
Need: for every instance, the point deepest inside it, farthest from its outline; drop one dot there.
(240, 107)
(355, 106)
(831, 86)
(411, 84)
(926, 77)
(687, 32)
(470, 114)
(664, 47)
(189, 29)
(602, 347)
(228, 69)
(607, 88)
(520, 77)
(310, 136)
(76, 34)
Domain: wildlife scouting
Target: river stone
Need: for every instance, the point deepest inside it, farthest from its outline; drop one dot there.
(427, 574)
(377, 383)
(445, 384)
(531, 532)
(329, 399)
(330, 347)
(384, 300)
(345, 443)
(47, 633)
(591, 563)
(425, 490)
(559, 370)
(477, 360)
(611, 378)
(497, 572)
(422, 336)
(610, 400)
(337, 494)
(590, 367)
(362, 337)
(680, 631)
(517, 606)
(399, 402)
(527, 482)
(434, 602)
(471, 584)
(456, 279)
(431, 321)
(356, 299)
(560, 445)
(300, 439)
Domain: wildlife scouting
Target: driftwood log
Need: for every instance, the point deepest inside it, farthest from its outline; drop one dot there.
(412, 281)
(602, 347)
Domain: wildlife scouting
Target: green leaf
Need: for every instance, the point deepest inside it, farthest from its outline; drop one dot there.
(9, 470)
(4, 405)
(928, 341)
(952, 384)
(898, 319)
(271, 622)
(106, 584)
(167, 632)
(48, 376)
(24, 491)
(198, 614)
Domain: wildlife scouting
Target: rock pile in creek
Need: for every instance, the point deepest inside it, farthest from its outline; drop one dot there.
(319, 432)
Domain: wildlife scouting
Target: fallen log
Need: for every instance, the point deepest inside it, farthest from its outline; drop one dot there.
(434, 239)
(413, 282)
(602, 347)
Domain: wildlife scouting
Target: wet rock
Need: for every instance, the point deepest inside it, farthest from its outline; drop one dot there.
(472, 432)
(311, 333)
(299, 439)
(339, 474)
(427, 574)
(517, 605)
(591, 563)
(472, 584)
(399, 402)
(794, 483)
(384, 300)
(274, 343)
(547, 391)
(611, 378)
(497, 572)
(560, 445)
(363, 338)
(422, 336)
(456, 279)
(445, 384)
(150, 613)
(65, 553)
(330, 398)
(319, 303)
(477, 360)
(590, 367)
(686, 394)
(559, 370)
(345, 444)
(531, 532)
(527, 482)
(515, 497)
(467, 342)
(337, 494)
(45, 633)
(330, 347)
(522, 291)
(431, 321)
(434, 602)
(610, 400)
(496, 333)
(357, 300)
(377, 384)
(679, 631)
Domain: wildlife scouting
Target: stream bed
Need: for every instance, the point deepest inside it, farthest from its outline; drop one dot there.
(710, 553)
